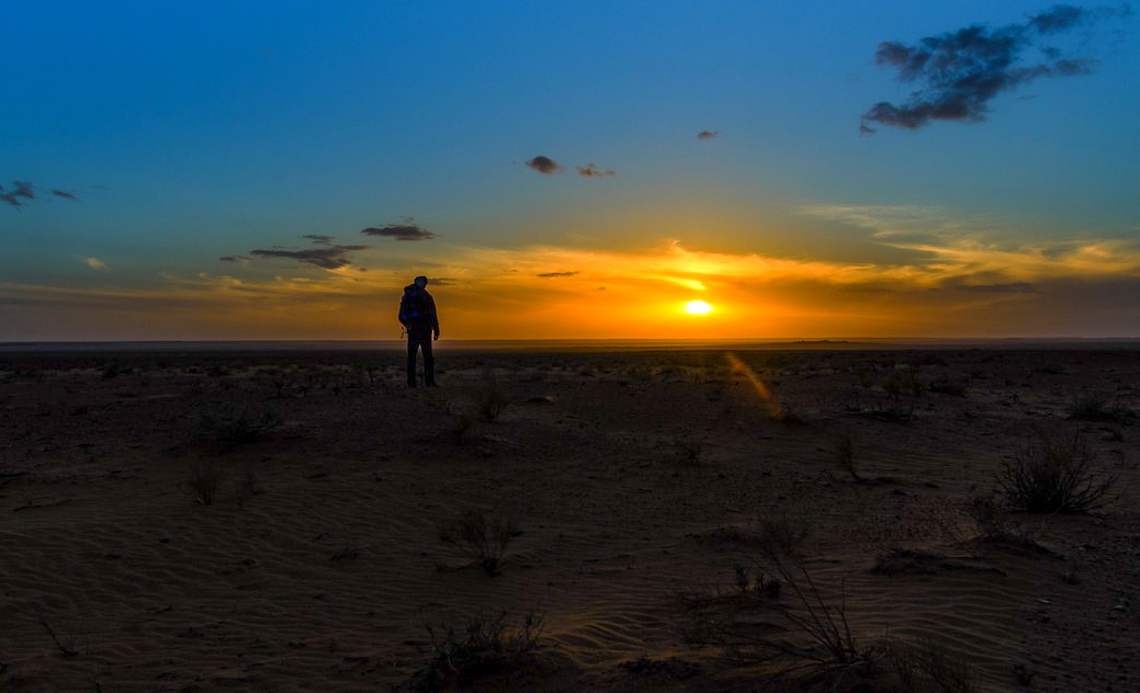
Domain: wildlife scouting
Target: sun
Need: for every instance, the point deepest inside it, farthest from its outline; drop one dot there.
(698, 308)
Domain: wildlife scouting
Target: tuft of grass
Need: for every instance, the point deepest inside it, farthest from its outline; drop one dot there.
(927, 665)
(490, 399)
(689, 449)
(205, 479)
(1056, 475)
(230, 425)
(483, 646)
(1092, 406)
(993, 519)
(483, 540)
(843, 453)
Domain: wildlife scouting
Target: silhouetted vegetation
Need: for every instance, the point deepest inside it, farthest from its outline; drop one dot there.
(481, 539)
(1055, 475)
(483, 646)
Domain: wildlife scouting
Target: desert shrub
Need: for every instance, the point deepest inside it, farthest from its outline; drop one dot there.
(945, 386)
(231, 425)
(926, 666)
(483, 646)
(461, 423)
(992, 519)
(830, 646)
(689, 449)
(205, 478)
(843, 453)
(1092, 406)
(490, 399)
(483, 540)
(1056, 475)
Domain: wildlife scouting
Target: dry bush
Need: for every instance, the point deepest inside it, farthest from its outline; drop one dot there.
(993, 519)
(843, 453)
(1092, 406)
(926, 666)
(689, 449)
(461, 423)
(1056, 475)
(231, 425)
(484, 646)
(830, 650)
(480, 539)
(490, 399)
(205, 478)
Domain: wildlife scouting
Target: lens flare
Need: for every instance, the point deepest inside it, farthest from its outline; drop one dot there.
(698, 308)
(737, 365)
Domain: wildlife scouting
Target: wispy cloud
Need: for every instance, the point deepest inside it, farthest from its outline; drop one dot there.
(592, 171)
(318, 238)
(63, 193)
(544, 165)
(94, 263)
(548, 275)
(708, 134)
(330, 258)
(408, 231)
(958, 73)
(20, 192)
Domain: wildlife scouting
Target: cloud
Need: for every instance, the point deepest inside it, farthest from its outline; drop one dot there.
(958, 73)
(318, 238)
(401, 232)
(23, 190)
(707, 134)
(1008, 288)
(592, 171)
(547, 275)
(330, 258)
(443, 281)
(545, 165)
(64, 194)
(95, 263)
(234, 258)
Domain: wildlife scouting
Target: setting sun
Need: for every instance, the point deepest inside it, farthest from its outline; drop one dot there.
(698, 308)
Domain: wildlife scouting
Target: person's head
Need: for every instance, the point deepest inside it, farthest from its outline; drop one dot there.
(421, 281)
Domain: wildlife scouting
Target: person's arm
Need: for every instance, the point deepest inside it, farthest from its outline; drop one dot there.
(402, 317)
(434, 317)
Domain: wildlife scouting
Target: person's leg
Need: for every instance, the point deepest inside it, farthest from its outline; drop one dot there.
(413, 344)
(429, 361)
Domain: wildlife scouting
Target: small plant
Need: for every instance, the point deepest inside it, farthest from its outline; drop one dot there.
(926, 665)
(246, 489)
(490, 400)
(484, 541)
(482, 647)
(945, 386)
(689, 449)
(461, 422)
(1092, 406)
(205, 478)
(230, 426)
(844, 455)
(1056, 475)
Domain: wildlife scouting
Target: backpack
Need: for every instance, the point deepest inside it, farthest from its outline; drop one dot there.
(414, 306)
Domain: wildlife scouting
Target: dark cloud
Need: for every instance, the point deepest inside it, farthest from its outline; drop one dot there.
(23, 190)
(547, 275)
(545, 165)
(234, 258)
(707, 134)
(592, 171)
(318, 238)
(958, 73)
(333, 257)
(408, 231)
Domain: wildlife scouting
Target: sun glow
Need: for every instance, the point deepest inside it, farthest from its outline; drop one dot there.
(698, 308)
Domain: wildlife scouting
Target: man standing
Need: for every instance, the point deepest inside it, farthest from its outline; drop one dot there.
(417, 315)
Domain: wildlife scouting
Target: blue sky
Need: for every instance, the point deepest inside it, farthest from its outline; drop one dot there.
(189, 132)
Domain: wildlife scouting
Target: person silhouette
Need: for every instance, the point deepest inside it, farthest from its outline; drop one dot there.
(418, 316)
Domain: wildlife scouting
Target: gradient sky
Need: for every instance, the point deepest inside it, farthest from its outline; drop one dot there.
(190, 132)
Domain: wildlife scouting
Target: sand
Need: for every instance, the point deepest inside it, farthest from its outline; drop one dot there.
(635, 481)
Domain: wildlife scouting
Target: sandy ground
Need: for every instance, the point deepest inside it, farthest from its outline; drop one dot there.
(633, 479)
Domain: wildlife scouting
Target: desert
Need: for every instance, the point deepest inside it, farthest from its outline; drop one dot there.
(566, 519)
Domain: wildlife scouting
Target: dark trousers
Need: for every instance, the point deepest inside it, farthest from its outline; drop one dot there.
(420, 338)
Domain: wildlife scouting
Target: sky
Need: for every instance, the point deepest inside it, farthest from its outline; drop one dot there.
(280, 170)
